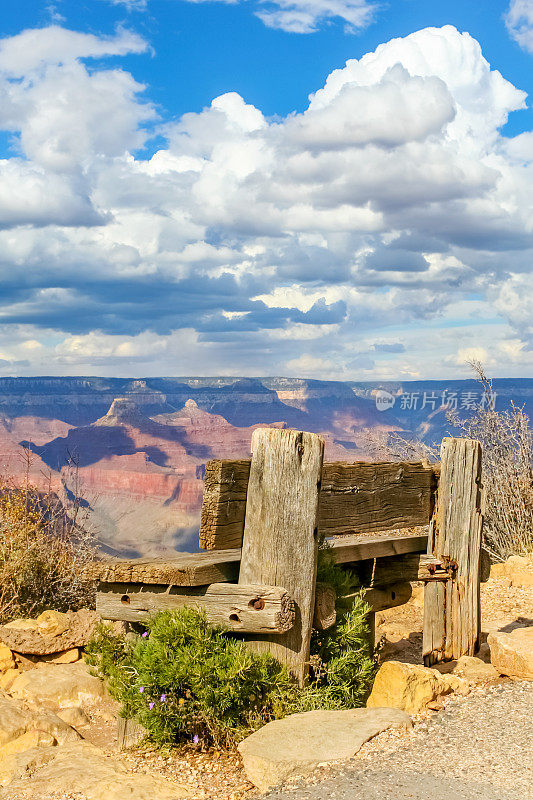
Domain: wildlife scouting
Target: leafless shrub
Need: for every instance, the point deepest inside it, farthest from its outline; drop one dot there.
(44, 547)
(507, 441)
(382, 445)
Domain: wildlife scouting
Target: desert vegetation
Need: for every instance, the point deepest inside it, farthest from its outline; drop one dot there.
(44, 546)
(187, 681)
(507, 441)
(506, 437)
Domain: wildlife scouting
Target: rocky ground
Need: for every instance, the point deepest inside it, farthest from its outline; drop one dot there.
(470, 744)
(480, 746)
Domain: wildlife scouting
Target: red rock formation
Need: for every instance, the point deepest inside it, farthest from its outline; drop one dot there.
(142, 476)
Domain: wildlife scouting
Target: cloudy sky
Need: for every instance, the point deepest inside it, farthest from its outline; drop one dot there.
(316, 188)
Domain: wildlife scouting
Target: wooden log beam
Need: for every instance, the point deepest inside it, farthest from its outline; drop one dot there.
(200, 569)
(350, 549)
(354, 498)
(394, 569)
(409, 567)
(383, 597)
(452, 619)
(183, 569)
(325, 614)
(224, 503)
(280, 540)
(368, 497)
(240, 608)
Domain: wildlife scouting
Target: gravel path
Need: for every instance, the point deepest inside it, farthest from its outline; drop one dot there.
(480, 746)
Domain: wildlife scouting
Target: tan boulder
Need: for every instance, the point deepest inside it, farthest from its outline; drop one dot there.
(18, 719)
(474, 670)
(84, 770)
(512, 653)
(52, 623)
(18, 765)
(74, 716)
(6, 658)
(27, 741)
(411, 687)
(295, 745)
(58, 685)
(518, 569)
(6, 680)
(65, 657)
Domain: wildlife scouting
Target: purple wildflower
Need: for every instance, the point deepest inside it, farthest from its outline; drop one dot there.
(141, 690)
(195, 739)
(163, 698)
(151, 705)
(145, 634)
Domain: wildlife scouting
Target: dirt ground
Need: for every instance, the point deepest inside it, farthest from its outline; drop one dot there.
(219, 776)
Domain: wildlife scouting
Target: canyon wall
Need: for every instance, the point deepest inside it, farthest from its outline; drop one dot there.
(136, 448)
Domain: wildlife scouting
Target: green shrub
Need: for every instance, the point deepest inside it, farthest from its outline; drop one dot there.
(342, 662)
(184, 680)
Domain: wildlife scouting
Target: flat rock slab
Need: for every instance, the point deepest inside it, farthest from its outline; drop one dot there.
(479, 748)
(50, 633)
(58, 685)
(475, 670)
(84, 770)
(512, 653)
(296, 745)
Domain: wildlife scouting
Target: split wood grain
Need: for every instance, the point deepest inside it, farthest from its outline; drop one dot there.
(224, 503)
(280, 540)
(201, 569)
(325, 614)
(354, 498)
(129, 733)
(184, 569)
(368, 497)
(457, 542)
(239, 608)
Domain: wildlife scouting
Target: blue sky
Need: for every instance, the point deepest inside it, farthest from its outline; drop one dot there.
(201, 50)
(172, 203)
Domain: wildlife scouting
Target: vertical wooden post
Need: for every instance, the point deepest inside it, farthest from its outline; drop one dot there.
(452, 609)
(280, 533)
(129, 733)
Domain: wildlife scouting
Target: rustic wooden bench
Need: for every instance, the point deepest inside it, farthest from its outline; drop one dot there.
(261, 523)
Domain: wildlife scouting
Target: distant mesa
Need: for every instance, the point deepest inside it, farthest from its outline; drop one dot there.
(123, 411)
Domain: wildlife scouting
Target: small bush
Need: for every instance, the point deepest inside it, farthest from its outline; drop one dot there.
(184, 680)
(507, 442)
(42, 554)
(342, 662)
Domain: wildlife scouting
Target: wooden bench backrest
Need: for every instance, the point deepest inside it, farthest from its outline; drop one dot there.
(354, 498)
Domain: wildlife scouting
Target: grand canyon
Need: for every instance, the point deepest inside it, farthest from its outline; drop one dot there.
(135, 449)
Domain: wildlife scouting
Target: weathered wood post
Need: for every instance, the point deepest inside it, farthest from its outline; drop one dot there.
(280, 533)
(452, 607)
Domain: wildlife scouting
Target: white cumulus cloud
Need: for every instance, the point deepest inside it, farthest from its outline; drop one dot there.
(389, 209)
(295, 16)
(519, 20)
